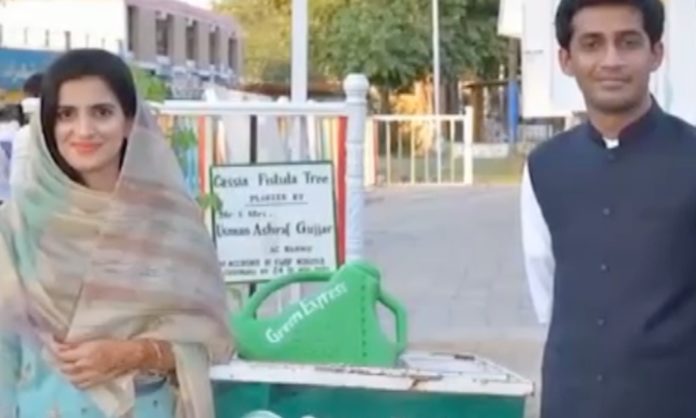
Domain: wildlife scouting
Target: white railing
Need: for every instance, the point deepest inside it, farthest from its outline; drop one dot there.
(423, 149)
(354, 109)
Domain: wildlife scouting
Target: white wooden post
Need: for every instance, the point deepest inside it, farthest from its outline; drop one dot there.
(469, 145)
(355, 87)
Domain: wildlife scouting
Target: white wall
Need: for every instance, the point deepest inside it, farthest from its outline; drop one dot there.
(93, 23)
(679, 95)
(510, 18)
(538, 48)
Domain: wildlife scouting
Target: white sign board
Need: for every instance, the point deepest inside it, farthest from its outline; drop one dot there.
(275, 219)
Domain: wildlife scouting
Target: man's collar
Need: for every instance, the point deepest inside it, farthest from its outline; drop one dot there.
(641, 127)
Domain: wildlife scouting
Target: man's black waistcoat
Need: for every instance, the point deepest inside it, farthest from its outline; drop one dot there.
(622, 339)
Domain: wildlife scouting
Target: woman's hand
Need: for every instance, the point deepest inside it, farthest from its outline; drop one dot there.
(94, 362)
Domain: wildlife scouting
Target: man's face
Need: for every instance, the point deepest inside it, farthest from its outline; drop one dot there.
(611, 57)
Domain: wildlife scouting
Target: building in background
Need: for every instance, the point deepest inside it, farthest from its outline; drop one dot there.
(184, 42)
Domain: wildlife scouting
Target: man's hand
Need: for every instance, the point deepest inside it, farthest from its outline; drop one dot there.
(94, 362)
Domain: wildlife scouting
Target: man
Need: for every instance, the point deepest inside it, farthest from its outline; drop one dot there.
(10, 118)
(20, 145)
(609, 227)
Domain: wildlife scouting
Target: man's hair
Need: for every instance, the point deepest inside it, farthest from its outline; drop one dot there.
(653, 12)
(32, 87)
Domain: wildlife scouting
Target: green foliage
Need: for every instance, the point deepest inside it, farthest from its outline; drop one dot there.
(182, 139)
(383, 39)
(210, 201)
(391, 40)
(150, 87)
(470, 42)
(388, 40)
(266, 27)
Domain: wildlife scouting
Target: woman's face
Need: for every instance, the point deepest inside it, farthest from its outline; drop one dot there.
(90, 130)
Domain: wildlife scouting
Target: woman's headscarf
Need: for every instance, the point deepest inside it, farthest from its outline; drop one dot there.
(77, 265)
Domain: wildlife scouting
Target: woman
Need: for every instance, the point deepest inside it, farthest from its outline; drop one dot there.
(111, 298)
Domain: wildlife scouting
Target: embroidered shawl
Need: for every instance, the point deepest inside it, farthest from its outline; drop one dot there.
(78, 264)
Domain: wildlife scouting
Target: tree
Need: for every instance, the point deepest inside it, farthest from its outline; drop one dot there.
(384, 39)
(150, 87)
(469, 39)
(391, 40)
(266, 28)
(388, 40)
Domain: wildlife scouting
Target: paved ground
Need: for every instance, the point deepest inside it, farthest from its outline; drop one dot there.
(452, 255)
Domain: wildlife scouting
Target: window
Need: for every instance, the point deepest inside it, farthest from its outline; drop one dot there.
(192, 41)
(232, 53)
(214, 46)
(132, 27)
(163, 28)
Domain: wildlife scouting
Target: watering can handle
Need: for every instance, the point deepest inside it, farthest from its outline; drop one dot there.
(400, 315)
(269, 288)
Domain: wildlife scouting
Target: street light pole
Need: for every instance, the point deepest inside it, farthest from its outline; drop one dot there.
(299, 73)
(300, 42)
(436, 84)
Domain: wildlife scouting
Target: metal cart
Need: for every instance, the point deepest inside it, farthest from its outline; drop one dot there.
(426, 385)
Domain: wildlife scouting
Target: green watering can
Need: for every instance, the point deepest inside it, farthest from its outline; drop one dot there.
(338, 324)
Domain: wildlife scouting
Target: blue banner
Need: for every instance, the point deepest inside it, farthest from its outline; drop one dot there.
(16, 65)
